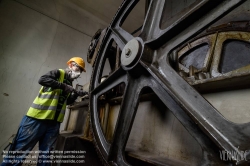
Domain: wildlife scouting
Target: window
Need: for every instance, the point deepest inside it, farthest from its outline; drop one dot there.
(235, 54)
(195, 57)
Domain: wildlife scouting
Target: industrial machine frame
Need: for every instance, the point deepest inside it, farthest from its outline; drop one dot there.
(153, 61)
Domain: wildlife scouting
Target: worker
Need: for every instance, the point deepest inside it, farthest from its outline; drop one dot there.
(42, 121)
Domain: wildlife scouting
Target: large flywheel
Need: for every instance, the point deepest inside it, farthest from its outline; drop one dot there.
(147, 62)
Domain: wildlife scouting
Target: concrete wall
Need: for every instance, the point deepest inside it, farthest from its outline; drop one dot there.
(35, 37)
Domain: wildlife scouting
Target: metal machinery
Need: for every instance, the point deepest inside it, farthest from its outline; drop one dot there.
(161, 102)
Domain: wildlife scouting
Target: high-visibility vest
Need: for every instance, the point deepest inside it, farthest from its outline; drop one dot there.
(45, 104)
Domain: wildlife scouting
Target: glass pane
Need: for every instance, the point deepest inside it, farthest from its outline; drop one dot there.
(195, 56)
(235, 54)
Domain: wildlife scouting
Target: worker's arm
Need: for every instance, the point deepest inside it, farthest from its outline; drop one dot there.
(50, 79)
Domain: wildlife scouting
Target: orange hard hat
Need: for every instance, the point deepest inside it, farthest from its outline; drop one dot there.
(79, 61)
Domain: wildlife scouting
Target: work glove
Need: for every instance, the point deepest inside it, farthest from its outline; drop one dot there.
(67, 88)
(81, 93)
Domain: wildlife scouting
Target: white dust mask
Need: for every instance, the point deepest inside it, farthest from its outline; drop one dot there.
(74, 74)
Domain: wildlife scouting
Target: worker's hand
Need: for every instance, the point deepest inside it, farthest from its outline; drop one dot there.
(67, 88)
(81, 92)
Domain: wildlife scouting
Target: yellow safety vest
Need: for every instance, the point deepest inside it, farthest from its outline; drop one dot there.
(45, 104)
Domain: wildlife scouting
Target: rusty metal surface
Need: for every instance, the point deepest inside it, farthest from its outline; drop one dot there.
(227, 60)
(152, 69)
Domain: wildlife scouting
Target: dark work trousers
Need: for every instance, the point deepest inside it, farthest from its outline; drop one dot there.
(29, 133)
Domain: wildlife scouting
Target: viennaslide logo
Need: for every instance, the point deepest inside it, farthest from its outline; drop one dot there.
(233, 155)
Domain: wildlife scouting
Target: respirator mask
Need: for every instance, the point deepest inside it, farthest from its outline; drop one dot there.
(74, 71)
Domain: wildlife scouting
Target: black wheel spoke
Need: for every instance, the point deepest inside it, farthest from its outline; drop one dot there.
(121, 37)
(121, 15)
(152, 20)
(113, 80)
(188, 25)
(120, 34)
(199, 109)
(124, 122)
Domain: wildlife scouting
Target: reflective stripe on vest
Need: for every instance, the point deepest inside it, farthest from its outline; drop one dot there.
(48, 96)
(45, 104)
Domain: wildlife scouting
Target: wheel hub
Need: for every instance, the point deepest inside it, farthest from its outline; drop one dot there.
(131, 53)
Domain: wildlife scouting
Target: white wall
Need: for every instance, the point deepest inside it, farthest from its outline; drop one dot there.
(35, 37)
